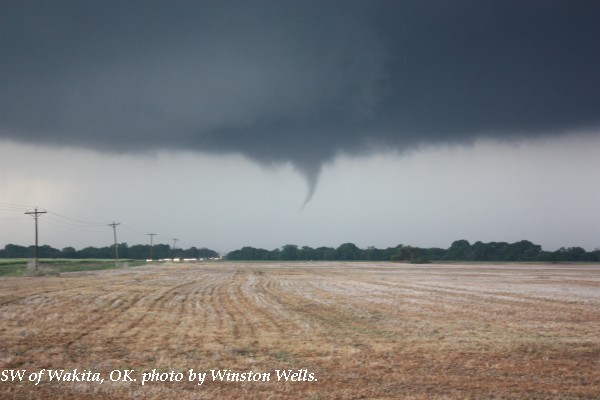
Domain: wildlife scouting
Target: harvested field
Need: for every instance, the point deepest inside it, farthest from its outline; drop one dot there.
(364, 330)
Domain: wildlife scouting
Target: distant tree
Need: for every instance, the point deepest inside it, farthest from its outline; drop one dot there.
(479, 252)
(273, 255)
(207, 253)
(139, 252)
(524, 250)
(308, 253)
(289, 252)
(387, 254)
(92, 252)
(348, 251)
(249, 253)
(123, 251)
(192, 252)
(326, 253)
(410, 254)
(370, 253)
(68, 252)
(570, 254)
(497, 251)
(16, 251)
(459, 250)
(46, 251)
(161, 251)
(433, 253)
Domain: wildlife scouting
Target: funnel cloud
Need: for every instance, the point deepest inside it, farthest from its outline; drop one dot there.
(295, 82)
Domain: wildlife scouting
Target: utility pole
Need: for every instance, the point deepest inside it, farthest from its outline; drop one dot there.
(174, 244)
(151, 237)
(35, 216)
(114, 226)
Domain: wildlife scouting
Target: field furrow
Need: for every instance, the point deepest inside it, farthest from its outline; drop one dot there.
(365, 330)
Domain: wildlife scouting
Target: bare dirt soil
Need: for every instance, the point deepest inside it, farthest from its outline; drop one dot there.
(364, 330)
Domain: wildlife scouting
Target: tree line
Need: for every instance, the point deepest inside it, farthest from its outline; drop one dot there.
(135, 252)
(460, 250)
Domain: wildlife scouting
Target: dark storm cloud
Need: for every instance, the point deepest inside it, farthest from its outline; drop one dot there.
(291, 81)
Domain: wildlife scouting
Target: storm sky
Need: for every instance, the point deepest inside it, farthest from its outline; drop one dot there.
(264, 123)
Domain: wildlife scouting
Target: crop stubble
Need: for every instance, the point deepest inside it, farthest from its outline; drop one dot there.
(366, 330)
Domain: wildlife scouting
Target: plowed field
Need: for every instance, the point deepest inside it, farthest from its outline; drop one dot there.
(364, 330)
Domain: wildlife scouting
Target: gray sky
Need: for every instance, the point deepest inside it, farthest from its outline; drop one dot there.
(400, 122)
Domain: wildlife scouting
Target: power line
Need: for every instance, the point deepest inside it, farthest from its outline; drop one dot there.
(133, 230)
(96, 224)
(68, 225)
(65, 222)
(15, 207)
